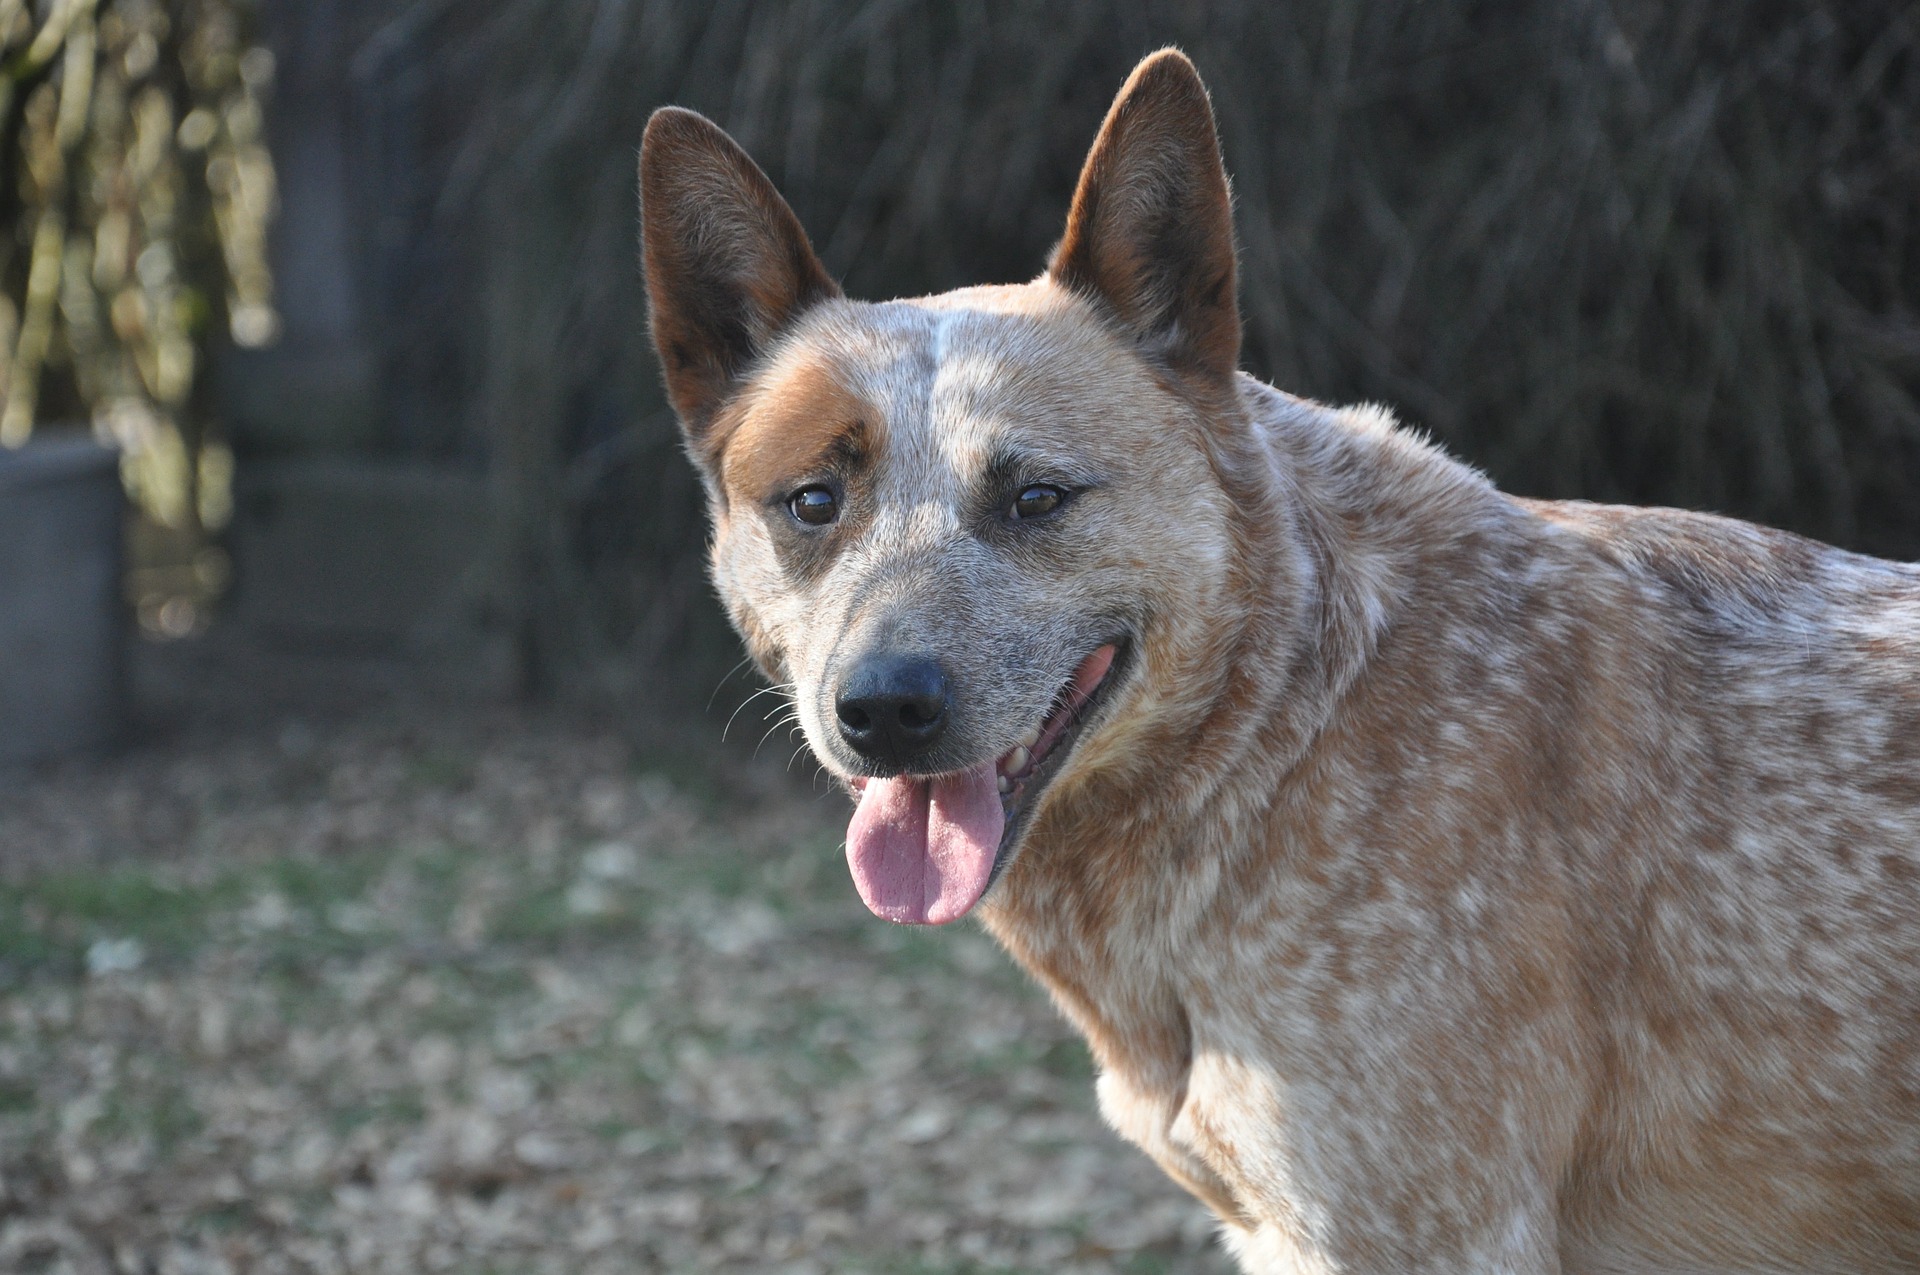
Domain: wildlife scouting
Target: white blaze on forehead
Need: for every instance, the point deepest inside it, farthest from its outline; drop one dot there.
(933, 475)
(950, 372)
(993, 375)
(924, 370)
(970, 391)
(891, 354)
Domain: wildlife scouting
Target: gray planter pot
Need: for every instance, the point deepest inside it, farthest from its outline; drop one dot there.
(62, 621)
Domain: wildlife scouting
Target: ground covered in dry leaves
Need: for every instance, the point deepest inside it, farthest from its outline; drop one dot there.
(489, 992)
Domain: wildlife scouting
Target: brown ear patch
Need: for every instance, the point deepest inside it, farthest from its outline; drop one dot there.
(1151, 228)
(727, 263)
(803, 424)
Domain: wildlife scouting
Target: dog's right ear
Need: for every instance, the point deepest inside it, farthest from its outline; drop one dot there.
(727, 264)
(1150, 233)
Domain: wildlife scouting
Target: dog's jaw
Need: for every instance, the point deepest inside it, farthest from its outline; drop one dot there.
(924, 850)
(1074, 711)
(1019, 763)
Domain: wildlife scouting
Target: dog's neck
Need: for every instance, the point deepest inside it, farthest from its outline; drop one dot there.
(1335, 514)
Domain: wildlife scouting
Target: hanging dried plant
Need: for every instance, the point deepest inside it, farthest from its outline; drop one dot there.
(138, 187)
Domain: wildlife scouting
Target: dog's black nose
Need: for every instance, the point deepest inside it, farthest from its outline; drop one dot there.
(893, 708)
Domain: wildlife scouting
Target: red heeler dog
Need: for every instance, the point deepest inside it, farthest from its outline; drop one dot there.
(1443, 881)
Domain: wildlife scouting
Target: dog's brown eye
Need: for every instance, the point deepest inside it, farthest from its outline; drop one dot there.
(1037, 500)
(816, 506)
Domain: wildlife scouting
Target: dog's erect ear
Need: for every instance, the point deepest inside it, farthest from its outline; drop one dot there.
(1151, 230)
(727, 263)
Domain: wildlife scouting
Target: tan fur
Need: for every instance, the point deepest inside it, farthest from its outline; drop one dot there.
(791, 427)
(1451, 882)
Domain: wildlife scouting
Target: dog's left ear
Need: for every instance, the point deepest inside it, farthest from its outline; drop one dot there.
(1151, 229)
(728, 266)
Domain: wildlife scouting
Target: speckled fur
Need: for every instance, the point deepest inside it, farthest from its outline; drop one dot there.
(1456, 882)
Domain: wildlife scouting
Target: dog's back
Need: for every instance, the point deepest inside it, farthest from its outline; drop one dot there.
(1751, 950)
(1617, 829)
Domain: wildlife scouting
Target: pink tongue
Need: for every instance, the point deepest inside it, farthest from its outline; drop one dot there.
(921, 850)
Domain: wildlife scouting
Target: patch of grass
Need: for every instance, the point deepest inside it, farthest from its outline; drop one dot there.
(453, 1014)
(441, 768)
(48, 921)
(1068, 1059)
(960, 1266)
(402, 1106)
(689, 772)
(225, 1218)
(720, 868)
(164, 1112)
(709, 1025)
(25, 943)
(326, 907)
(316, 884)
(535, 916)
(908, 949)
(294, 954)
(496, 981)
(1150, 1262)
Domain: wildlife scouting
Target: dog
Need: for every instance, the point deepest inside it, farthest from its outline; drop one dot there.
(1443, 881)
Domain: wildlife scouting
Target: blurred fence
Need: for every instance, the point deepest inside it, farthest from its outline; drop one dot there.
(1663, 252)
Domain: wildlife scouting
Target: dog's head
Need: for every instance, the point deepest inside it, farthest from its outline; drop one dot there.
(969, 532)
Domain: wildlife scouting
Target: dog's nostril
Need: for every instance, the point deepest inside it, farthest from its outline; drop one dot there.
(893, 707)
(921, 709)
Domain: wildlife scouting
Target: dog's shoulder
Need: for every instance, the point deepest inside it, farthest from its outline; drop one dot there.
(1737, 577)
(1801, 660)
(1364, 463)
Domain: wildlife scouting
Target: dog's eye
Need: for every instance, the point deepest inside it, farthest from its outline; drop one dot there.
(816, 506)
(1037, 500)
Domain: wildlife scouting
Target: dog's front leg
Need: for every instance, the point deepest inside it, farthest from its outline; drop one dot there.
(1145, 1116)
(1273, 1249)
(1293, 1238)
(1287, 1211)
(1382, 1181)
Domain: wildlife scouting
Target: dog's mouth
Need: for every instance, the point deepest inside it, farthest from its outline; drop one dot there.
(925, 849)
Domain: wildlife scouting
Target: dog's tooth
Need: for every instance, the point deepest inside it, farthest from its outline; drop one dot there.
(1006, 784)
(1017, 759)
(1031, 738)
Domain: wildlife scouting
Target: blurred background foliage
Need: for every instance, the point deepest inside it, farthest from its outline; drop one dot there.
(1616, 249)
(1659, 252)
(136, 187)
